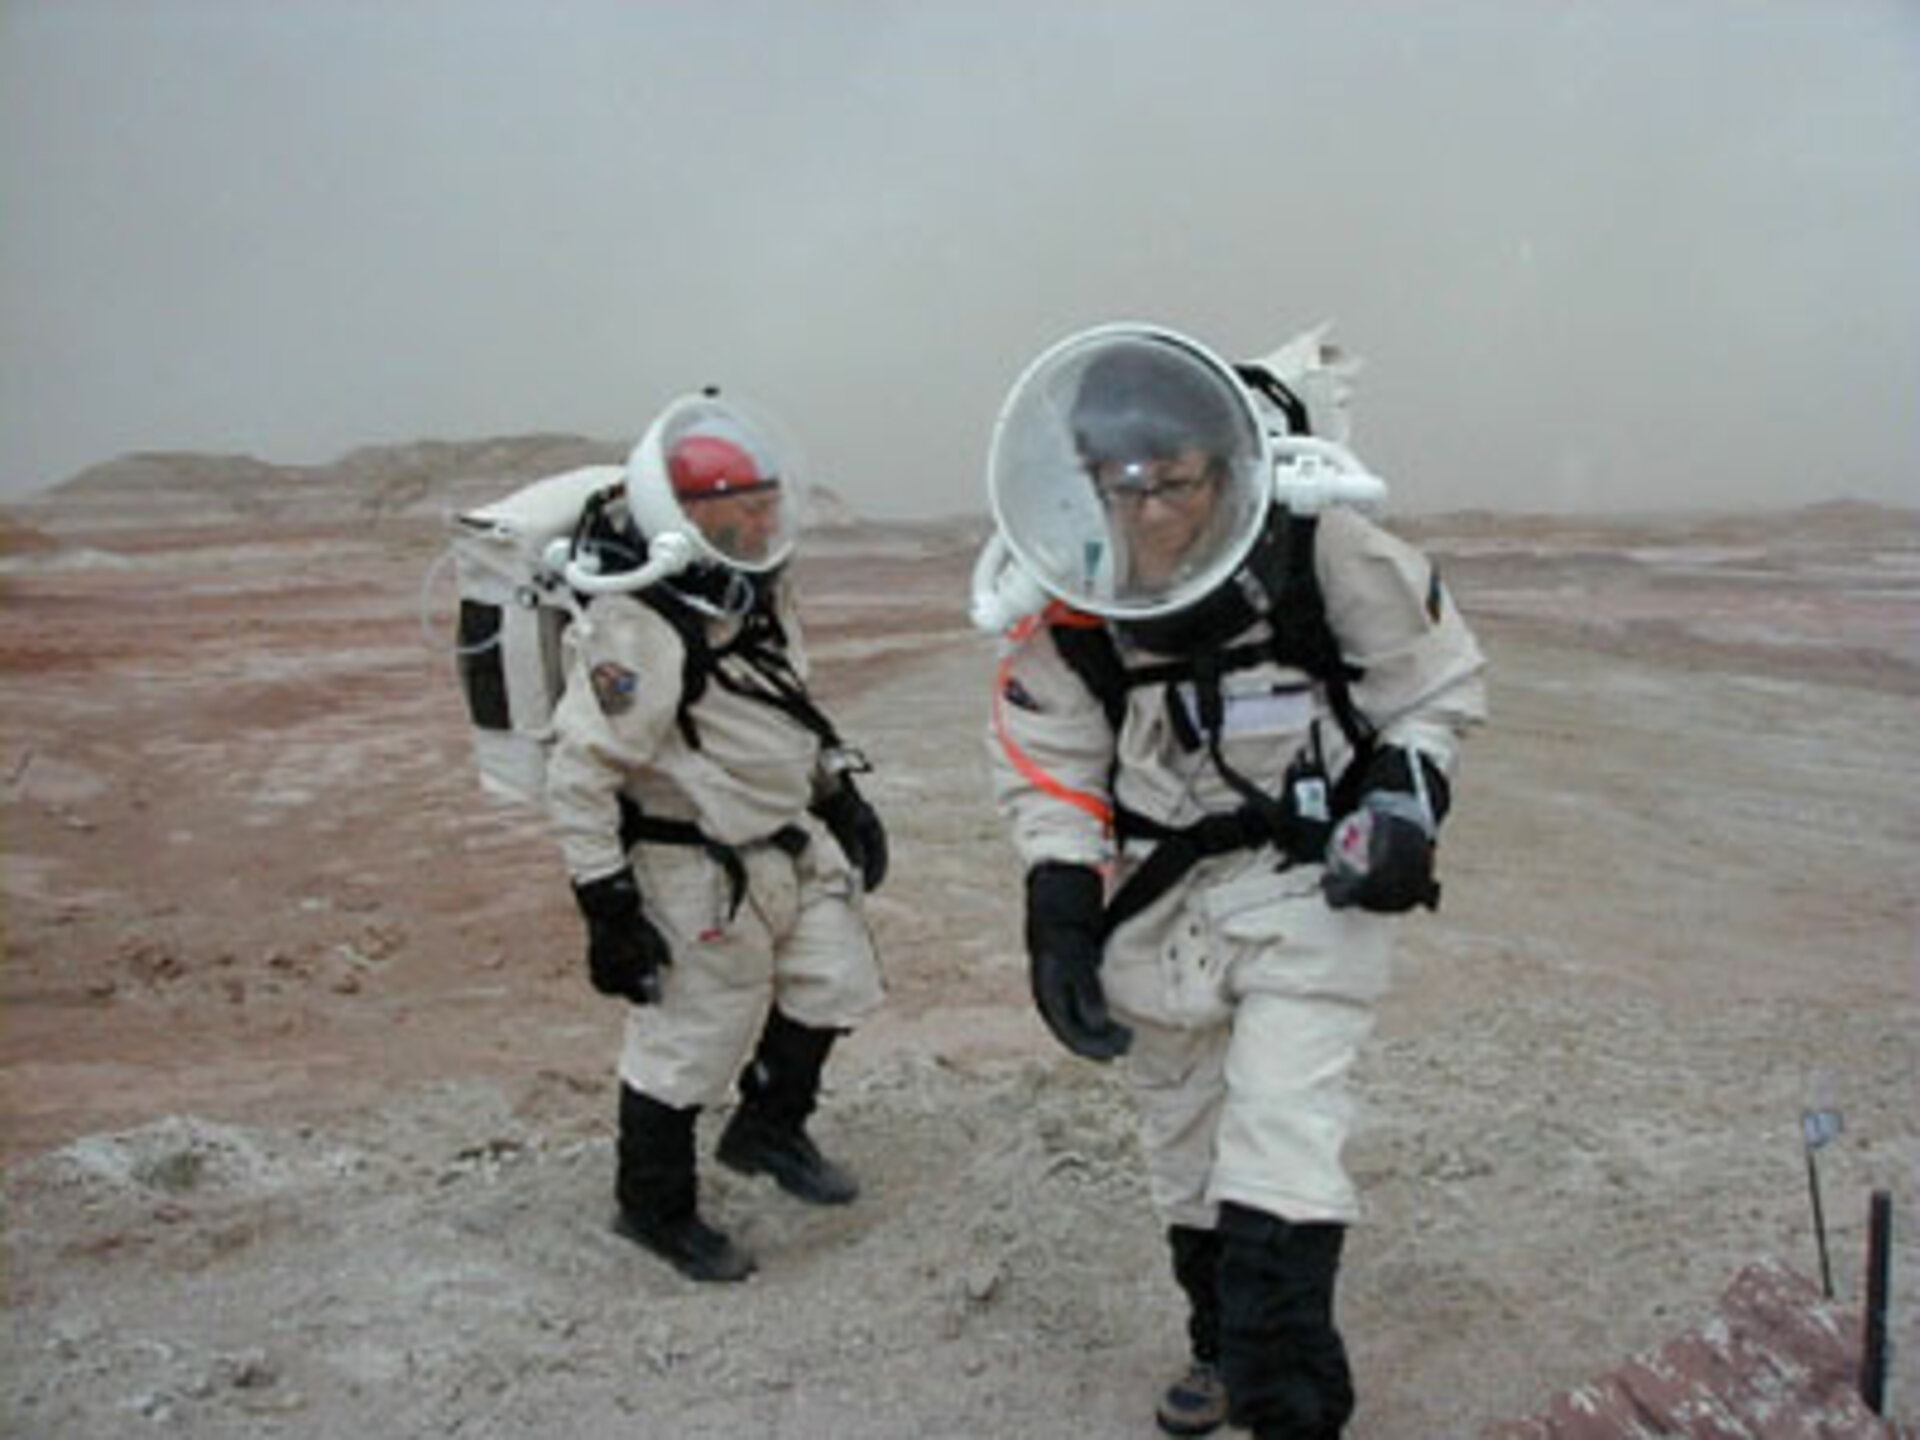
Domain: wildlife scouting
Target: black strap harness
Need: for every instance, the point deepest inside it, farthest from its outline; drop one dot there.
(760, 645)
(760, 648)
(769, 678)
(760, 642)
(639, 828)
(1284, 595)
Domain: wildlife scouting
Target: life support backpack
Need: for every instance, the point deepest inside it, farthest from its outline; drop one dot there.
(513, 610)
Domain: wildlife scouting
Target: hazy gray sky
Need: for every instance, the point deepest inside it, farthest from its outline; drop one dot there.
(1601, 254)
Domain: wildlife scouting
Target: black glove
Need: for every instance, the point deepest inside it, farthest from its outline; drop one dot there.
(856, 825)
(1064, 904)
(1381, 855)
(624, 949)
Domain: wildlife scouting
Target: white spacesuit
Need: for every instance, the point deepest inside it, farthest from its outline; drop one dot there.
(1224, 749)
(708, 816)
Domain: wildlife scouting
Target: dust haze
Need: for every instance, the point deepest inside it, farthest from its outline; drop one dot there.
(1598, 257)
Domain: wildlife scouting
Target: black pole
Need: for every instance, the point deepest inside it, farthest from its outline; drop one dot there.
(1819, 1225)
(1873, 1357)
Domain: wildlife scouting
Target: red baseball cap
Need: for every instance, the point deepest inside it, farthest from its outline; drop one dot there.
(705, 464)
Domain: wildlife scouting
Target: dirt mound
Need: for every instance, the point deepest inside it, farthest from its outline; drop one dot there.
(200, 491)
(425, 479)
(432, 477)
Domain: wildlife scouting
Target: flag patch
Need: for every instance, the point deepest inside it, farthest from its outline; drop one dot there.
(614, 687)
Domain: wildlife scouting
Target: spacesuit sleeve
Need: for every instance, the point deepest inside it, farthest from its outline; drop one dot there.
(1396, 620)
(622, 692)
(1050, 752)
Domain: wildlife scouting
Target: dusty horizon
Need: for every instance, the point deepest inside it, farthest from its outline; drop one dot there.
(380, 470)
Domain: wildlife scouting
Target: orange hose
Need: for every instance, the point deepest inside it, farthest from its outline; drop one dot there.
(1028, 768)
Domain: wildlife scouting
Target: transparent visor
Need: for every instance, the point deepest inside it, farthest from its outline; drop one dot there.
(1128, 472)
(733, 475)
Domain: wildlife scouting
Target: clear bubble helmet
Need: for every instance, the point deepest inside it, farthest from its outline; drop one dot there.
(725, 476)
(1129, 473)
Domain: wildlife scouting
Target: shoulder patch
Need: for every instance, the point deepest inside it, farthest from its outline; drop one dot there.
(613, 686)
(1436, 596)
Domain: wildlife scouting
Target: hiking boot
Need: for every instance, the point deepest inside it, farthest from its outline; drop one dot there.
(1195, 1404)
(689, 1244)
(1281, 1354)
(658, 1194)
(754, 1145)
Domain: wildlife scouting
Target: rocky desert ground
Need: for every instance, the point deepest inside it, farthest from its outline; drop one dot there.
(308, 1105)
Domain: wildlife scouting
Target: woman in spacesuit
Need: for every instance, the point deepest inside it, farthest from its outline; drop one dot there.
(1224, 749)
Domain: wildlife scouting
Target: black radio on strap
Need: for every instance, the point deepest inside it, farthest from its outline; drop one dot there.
(1295, 828)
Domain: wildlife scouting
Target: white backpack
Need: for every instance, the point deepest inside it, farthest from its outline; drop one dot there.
(514, 607)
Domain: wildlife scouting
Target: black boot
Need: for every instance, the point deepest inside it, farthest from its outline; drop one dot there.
(658, 1194)
(1284, 1362)
(767, 1134)
(1196, 1403)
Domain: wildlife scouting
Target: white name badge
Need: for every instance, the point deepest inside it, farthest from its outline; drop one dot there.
(1271, 710)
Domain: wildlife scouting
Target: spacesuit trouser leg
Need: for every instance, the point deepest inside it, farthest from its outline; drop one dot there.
(686, 1050)
(778, 1091)
(1196, 1268)
(826, 975)
(658, 1191)
(1175, 1077)
(826, 980)
(1177, 1082)
(1282, 1357)
(1285, 1198)
(1196, 1402)
(1244, 1123)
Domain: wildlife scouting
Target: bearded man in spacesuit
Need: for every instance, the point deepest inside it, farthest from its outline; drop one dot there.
(1225, 748)
(717, 843)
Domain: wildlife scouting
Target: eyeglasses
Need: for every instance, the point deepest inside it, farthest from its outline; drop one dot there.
(1133, 488)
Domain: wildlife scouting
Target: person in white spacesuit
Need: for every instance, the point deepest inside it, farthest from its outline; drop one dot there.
(717, 843)
(1224, 748)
